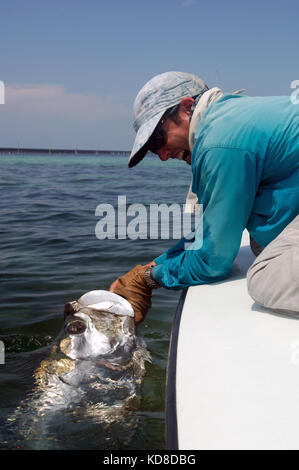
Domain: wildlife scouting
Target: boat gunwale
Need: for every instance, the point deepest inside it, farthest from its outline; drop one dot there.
(171, 408)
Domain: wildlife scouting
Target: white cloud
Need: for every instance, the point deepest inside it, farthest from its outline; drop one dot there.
(186, 3)
(53, 100)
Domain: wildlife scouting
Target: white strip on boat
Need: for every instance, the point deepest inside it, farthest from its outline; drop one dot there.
(233, 369)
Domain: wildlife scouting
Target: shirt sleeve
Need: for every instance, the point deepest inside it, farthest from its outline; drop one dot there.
(174, 250)
(226, 184)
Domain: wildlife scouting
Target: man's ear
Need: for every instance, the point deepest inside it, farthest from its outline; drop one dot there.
(185, 104)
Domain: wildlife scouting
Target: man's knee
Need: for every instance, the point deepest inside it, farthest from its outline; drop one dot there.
(273, 278)
(256, 280)
(274, 281)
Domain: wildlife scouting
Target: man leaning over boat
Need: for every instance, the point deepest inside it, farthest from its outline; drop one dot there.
(244, 156)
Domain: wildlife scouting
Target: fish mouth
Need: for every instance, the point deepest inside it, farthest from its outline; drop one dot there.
(75, 326)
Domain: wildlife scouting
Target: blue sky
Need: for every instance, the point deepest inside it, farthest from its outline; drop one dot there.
(72, 68)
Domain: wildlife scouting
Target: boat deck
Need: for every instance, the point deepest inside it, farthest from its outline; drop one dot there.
(233, 371)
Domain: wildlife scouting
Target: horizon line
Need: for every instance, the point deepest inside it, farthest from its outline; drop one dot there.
(50, 150)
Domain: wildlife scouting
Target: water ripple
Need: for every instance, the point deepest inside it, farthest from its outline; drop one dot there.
(50, 255)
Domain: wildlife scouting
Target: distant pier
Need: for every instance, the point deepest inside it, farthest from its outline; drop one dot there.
(76, 151)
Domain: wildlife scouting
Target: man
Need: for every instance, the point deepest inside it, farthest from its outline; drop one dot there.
(244, 154)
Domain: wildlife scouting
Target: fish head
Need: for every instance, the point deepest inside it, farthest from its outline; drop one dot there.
(98, 324)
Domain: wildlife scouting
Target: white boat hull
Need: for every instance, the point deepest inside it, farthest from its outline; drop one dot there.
(236, 381)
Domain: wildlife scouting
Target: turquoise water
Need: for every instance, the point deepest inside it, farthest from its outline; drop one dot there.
(51, 255)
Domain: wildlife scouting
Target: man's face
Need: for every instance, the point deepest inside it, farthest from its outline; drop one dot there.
(177, 135)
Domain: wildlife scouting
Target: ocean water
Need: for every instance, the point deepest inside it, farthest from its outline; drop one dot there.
(50, 255)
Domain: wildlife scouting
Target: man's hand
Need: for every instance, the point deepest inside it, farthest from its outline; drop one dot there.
(133, 287)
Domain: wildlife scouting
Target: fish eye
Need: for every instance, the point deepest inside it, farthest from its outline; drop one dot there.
(75, 327)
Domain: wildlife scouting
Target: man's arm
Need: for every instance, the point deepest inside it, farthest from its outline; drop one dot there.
(227, 186)
(175, 250)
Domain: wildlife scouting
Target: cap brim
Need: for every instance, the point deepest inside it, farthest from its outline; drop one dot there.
(140, 144)
(134, 159)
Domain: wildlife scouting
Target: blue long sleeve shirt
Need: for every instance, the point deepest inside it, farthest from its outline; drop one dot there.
(245, 166)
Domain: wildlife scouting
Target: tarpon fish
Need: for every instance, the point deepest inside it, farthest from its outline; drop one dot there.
(92, 375)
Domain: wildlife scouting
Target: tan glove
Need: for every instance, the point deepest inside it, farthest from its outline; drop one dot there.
(133, 287)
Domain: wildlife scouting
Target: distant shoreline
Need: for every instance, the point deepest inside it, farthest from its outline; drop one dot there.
(76, 151)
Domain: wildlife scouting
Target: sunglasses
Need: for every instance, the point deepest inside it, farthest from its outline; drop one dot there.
(158, 137)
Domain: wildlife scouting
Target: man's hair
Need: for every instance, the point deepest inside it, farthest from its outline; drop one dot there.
(173, 112)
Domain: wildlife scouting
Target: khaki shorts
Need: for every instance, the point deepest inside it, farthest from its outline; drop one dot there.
(273, 278)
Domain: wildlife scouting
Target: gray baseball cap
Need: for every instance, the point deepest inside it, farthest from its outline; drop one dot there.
(160, 93)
